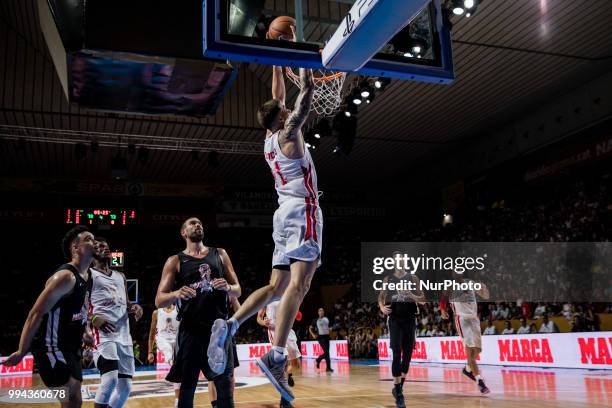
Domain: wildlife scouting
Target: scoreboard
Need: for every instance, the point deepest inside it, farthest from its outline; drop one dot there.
(97, 216)
(117, 259)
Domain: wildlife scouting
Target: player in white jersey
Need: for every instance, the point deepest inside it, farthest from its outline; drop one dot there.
(467, 324)
(163, 332)
(298, 224)
(113, 349)
(267, 318)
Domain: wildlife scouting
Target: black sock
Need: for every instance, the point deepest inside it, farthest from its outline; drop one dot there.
(398, 387)
(402, 381)
(213, 404)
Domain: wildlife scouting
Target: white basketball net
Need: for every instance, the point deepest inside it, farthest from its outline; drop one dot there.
(328, 90)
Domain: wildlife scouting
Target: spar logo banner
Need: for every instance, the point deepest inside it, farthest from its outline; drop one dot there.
(24, 367)
(566, 350)
(338, 350)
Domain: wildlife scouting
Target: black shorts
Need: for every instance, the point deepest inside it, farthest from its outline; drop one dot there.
(190, 357)
(56, 368)
(402, 333)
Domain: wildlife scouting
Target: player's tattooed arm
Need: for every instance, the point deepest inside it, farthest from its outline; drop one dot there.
(303, 103)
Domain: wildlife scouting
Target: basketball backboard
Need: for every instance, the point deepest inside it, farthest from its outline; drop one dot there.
(235, 30)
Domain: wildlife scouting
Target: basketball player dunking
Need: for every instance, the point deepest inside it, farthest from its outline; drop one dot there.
(298, 224)
(109, 308)
(163, 332)
(267, 318)
(401, 309)
(467, 322)
(200, 280)
(56, 323)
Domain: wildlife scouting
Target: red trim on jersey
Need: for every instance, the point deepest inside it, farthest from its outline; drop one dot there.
(280, 173)
(311, 220)
(96, 337)
(271, 335)
(95, 331)
(308, 219)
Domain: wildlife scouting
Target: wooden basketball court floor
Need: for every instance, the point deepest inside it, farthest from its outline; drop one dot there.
(368, 385)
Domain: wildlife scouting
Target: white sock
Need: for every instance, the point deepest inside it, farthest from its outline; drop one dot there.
(478, 378)
(468, 369)
(234, 325)
(279, 354)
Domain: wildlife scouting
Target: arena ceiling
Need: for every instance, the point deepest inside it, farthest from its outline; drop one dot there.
(509, 57)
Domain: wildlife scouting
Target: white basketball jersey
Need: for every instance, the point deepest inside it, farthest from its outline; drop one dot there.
(464, 303)
(108, 299)
(167, 325)
(293, 178)
(271, 312)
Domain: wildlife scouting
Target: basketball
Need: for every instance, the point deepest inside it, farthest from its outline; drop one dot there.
(280, 28)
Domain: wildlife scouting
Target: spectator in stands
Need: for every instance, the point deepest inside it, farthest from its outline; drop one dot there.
(490, 329)
(508, 328)
(450, 329)
(548, 326)
(568, 311)
(533, 328)
(523, 329)
(591, 319)
(577, 323)
(515, 311)
(540, 311)
(430, 331)
(437, 332)
(502, 312)
(526, 310)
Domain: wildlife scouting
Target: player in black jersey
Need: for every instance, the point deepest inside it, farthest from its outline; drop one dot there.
(199, 280)
(401, 309)
(55, 325)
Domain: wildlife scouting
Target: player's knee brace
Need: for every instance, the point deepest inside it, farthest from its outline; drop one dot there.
(108, 383)
(122, 391)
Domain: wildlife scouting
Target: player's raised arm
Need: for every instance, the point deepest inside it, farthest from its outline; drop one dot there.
(278, 84)
(298, 117)
(483, 292)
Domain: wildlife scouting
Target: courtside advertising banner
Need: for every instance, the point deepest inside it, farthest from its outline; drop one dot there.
(562, 350)
(25, 366)
(338, 350)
